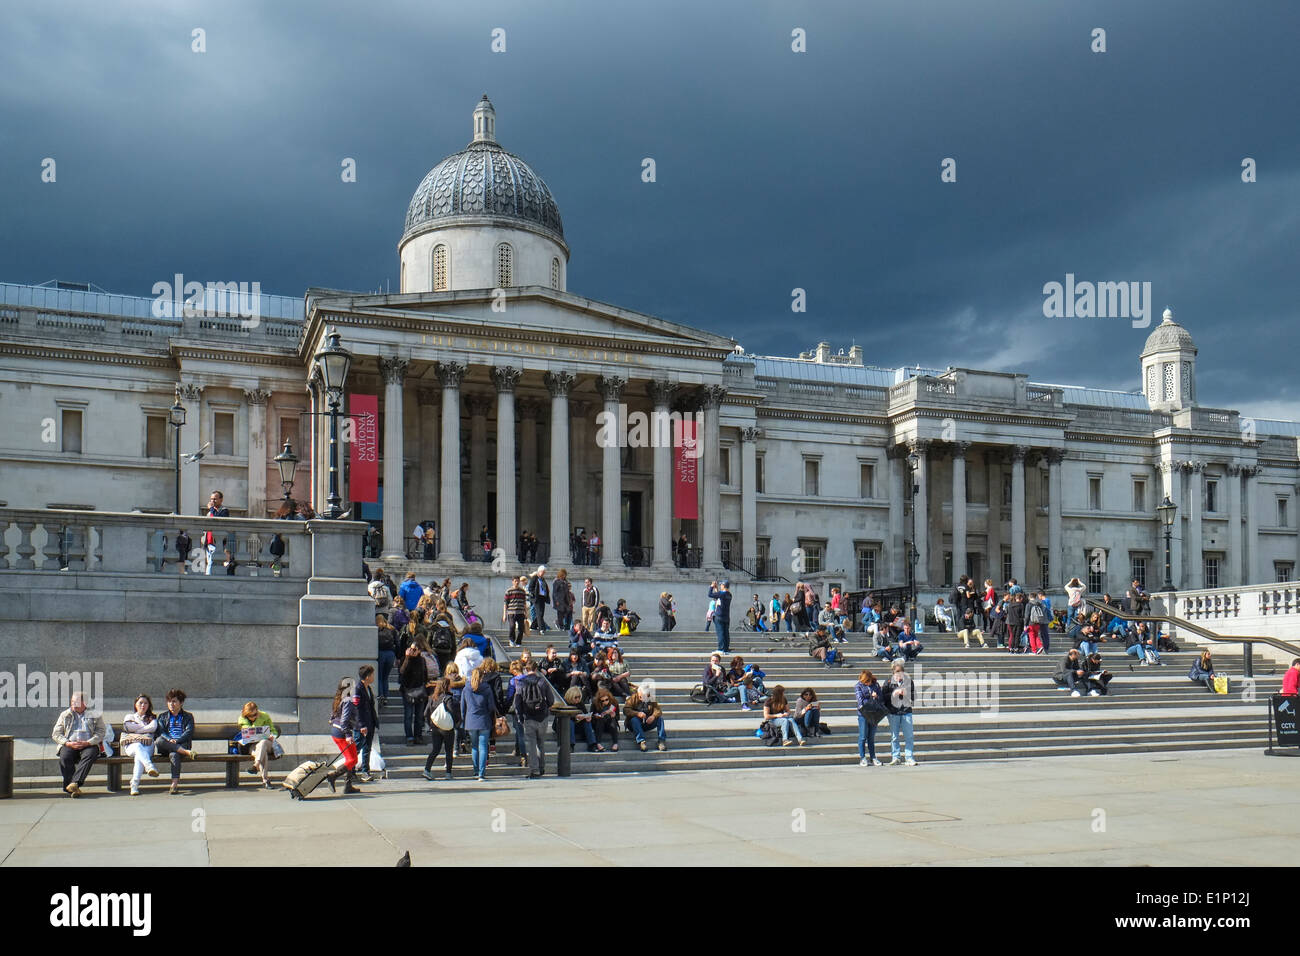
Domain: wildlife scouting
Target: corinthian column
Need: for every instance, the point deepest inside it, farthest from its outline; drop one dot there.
(505, 379)
(257, 398)
(450, 375)
(611, 497)
(661, 397)
(711, 519)
(393, 371)
(1018, 453)
(959, 450)
(479, 406)
(749, 495)
(559, 384)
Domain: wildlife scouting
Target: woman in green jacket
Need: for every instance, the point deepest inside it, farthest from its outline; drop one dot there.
(263, 749)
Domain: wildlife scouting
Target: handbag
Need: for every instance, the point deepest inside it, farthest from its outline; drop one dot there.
(501, 728)
(1220, 683)
(127, 740)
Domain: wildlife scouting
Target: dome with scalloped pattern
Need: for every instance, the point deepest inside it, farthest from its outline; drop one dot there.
(1168, 336)
(484, 182)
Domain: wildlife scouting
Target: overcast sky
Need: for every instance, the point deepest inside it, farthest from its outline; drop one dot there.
(776, 170)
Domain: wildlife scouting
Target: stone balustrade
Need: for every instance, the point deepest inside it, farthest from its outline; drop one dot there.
(126, 543)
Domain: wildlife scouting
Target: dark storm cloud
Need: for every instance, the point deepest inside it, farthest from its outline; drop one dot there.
(776, 170)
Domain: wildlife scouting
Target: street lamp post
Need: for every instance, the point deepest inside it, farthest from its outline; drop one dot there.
(287, 462)
(913, 463)
(334, 361)
(176, 418)
(1167, 511)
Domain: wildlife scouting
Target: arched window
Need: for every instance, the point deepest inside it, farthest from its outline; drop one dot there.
(505, 266)
(555, 274)
(440, 283)
(403, 277)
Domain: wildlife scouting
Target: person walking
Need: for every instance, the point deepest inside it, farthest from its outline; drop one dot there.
(722, 614)
(900, 692)
(562, 600)
(478, 710)
(533, 701)
(667, 612)
(539, 595)
(514, 613)
(343, 724)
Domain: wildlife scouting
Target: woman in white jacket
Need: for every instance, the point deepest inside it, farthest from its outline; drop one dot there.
(1074, 592)
(141, 722)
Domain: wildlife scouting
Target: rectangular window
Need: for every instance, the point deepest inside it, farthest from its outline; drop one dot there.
(947, 569)
(1211, 572)
(1094, 492)
(1211, 496)
(70, 430)
(812, 468)
(155, 436)
(763, 547)
(1045, 490)
(1006, 567)
(1283, 518)
(223, 433)
(1044, 570)
(866, 480)
(1138, 569)
(758, 474)
(1006, 491)
(1283, 572)
(814, 554)
(1096, 562)
(1140, 495)
(866, 568)
(724, 466)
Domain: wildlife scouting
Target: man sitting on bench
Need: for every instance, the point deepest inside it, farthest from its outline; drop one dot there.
(175, 734)
(79, 736)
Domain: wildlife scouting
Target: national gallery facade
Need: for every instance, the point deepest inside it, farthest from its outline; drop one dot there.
(489, 375)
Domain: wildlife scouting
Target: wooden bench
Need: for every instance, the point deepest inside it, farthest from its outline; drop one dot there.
(223, 732)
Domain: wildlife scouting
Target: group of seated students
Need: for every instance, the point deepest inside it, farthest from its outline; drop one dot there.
(84, 737)
(741, 682)
(891, 632)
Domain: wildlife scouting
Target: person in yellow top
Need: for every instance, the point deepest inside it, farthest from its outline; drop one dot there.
(263, 749)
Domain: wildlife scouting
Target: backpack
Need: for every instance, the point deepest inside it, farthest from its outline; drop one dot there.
(386, 639)
(380, 593)
(276, 547)
(443, 642)
(1037, 614)
(533, 704)
(440, 716)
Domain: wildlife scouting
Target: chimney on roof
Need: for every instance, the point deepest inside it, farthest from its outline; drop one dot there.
(823, 351)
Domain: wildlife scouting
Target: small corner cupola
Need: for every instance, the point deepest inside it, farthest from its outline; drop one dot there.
(1169, 367)
(485, 122)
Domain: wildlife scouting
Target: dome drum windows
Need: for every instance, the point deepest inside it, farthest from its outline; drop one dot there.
(441, 274)
(505, 266)
(555, 274)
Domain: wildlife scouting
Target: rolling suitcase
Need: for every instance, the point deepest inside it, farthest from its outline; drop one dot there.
(307, 776)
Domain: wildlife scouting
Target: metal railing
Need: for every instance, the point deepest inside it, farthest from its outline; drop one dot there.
(1247, 641)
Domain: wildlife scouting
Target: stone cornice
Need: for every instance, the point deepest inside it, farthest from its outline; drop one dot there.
(68, 354)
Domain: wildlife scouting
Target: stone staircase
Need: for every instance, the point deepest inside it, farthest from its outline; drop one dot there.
(1150, 709)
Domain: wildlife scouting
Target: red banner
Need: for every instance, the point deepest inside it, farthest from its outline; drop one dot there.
(686, 461)
(363, 480)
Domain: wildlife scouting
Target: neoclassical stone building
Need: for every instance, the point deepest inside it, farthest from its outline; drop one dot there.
(490, 375)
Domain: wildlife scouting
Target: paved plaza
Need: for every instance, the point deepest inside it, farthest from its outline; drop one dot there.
(1224, 808)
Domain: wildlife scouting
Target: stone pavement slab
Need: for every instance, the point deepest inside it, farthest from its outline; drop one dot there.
(1034, 811)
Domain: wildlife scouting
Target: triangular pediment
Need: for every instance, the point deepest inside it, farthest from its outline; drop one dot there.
(529, 309)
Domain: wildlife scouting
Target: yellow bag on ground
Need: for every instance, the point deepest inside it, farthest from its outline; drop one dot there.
(1220, 684)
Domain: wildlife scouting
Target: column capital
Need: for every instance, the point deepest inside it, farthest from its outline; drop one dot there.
(1250, 471)
(529, 409)
(449, 374)
(895, 452)
(1018, 452)
(393, 369)
(478, 405)
(190, 391)
(257, 396)
(1192, 466)
(1232, 470)
(505, 377)
(1055, 456)
(1167, 467)
(751, 434)
(559, 384)
(713, 395)
(661, 392)
(611, 387)
(919, 445)
(959, 448)
(427, 396)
